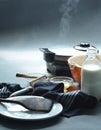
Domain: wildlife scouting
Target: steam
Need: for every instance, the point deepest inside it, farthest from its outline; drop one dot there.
(68, 9)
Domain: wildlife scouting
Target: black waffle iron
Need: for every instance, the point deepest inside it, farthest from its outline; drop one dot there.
(56, 64)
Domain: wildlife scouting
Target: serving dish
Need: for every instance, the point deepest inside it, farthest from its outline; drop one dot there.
(18, 112)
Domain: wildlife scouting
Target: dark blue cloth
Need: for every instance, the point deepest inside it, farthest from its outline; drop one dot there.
(73, 102)
(8, 88)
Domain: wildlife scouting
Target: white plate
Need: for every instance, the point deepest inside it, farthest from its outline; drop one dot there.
(16, 111)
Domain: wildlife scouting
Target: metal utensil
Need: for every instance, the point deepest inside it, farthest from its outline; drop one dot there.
(33, 103)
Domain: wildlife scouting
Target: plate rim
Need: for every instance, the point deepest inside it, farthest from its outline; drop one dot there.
(55, 104)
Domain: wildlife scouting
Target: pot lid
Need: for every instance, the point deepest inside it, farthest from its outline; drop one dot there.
(82, 46)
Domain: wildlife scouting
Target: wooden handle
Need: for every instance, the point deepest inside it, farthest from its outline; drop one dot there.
(25, 75)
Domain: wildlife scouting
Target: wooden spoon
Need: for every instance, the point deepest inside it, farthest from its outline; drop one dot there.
(25, 75)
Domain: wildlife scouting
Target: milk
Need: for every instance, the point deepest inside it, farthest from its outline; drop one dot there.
(91, 80)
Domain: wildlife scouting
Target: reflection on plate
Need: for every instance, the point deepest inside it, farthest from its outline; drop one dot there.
(16, 111)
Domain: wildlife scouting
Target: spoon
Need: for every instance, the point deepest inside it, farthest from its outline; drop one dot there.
(32, 103)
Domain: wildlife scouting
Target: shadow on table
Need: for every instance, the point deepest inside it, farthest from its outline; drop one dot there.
(27, 125)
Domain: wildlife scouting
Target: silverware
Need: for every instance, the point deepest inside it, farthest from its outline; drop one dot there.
(41, 78)
(22, 92)
(33, 103)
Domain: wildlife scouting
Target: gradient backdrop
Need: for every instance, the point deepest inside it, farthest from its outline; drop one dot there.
(48, 23)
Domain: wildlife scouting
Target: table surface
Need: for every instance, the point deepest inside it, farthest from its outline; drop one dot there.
(31, 61)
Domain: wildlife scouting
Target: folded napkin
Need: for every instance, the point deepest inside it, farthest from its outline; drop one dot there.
(6, 89)
(73, 102)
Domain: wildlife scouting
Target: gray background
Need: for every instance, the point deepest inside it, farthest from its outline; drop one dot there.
(27, 25)
(48, 23)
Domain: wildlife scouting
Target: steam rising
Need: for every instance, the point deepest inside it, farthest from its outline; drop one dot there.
(68, 9)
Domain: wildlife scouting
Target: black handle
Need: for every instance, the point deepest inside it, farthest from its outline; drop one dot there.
(48, 55)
